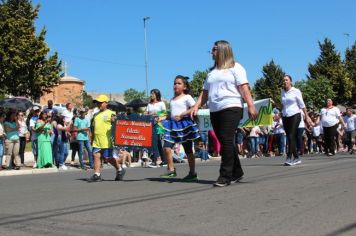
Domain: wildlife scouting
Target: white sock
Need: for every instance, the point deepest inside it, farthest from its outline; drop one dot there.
(97, 173)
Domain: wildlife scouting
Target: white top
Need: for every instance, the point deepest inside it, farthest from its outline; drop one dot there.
(23, 128)
(292, 101)
(302, 123)
(2, 132)
(33, 121)
(350, 122)
(278, 127)
(153, 108)
(222, 87)
(181, 105)
(68, 115)
(316, 130)
(255, 131)
(329, 117)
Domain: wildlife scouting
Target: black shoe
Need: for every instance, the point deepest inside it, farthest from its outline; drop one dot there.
(221, 182)
(236, 179)
(120, 175)
(162, 164)
(191, 177)
(95, 178)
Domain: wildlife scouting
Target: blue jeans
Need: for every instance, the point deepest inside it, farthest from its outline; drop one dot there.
(86, 144)
(253, 144)
(280, 138)
(63, 150)
(1, 150)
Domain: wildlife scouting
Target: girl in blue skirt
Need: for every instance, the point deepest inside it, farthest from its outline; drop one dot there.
(180, 128)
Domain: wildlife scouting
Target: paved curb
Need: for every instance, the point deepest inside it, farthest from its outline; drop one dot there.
(28, 172)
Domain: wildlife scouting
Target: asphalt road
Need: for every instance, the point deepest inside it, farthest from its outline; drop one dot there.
(315, 198)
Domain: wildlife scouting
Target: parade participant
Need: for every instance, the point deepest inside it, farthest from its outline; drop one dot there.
(350, 120)
(44, 131)
(293, 103)
(155, 106)
(330, 118)
(180, 128)
(225, 87)
(102, 144)
(82, 126)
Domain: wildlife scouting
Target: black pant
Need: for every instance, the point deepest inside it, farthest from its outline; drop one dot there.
(329, 136)
(225, 122)
(22, 149)
(290, 125)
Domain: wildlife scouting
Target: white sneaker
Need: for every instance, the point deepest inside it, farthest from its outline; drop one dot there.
(63, 167)
(34, 165)
(124, 166)
(297, 161)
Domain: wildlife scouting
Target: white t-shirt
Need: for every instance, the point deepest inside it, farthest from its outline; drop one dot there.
(153, 108)
(222, 87)
(350, 122)
(330, 117)
(302, 123)
(278, 127)
(292, 101)
(316, 130)
(181, 105)
(68, 115)
(255, 131)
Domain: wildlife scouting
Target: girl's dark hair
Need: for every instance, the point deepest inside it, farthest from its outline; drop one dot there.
(41, 114)
(157, 94)
(8, 115)
(185, 81)
(289, 77)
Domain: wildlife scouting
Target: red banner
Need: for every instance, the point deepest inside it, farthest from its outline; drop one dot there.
(133, 133)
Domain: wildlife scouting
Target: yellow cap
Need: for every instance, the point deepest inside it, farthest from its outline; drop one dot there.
(102, 98)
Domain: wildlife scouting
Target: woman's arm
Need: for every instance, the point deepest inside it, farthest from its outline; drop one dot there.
(202, 99)
(246, 95)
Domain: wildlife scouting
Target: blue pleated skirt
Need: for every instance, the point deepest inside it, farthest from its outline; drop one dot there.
(180, 131)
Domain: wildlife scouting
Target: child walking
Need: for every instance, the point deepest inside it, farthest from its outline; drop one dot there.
(180, 128)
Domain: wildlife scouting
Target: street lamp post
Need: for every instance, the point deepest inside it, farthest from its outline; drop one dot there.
(348, 39)
(146, 66)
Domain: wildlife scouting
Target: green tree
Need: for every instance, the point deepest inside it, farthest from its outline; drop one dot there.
(87, 100)
(329, 65)
(315, 92)
(270, 85)
(350, 65)
(131, 94)
(196, 85)
(25, 67)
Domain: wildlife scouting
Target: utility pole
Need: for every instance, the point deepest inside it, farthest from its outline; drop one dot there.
(146, 61)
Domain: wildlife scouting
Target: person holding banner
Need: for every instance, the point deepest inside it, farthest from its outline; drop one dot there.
(102, 140)
(225, 87)
(156, 106)
(180, 128)
(293, 103)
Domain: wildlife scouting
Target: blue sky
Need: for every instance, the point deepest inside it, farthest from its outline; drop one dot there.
(102, 41)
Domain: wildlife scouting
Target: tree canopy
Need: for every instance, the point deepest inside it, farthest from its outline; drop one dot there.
(131, 94)
(196, 85)
(329, 65)
(270, 84)
(26, 69)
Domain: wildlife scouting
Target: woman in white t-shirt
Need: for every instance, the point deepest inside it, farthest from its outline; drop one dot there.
(293, 103)
(330, 117)
(225, 88)
(154, 108)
